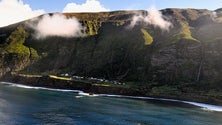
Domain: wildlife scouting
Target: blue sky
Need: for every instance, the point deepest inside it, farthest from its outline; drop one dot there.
(58, 5)
(13, 11)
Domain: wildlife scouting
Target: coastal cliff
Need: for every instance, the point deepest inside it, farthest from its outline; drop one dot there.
(186, 58)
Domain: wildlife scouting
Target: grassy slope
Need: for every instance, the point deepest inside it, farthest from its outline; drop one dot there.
(168, 66)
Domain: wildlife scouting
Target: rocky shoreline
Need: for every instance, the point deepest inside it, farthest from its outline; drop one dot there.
(90, 87)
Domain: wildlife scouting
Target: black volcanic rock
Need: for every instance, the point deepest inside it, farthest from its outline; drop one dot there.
(189, 52)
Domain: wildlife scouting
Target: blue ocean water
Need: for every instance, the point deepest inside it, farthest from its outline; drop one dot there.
(37, 106)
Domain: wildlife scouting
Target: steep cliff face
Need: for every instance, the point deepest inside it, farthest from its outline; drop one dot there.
(14, 55)
(188, 52)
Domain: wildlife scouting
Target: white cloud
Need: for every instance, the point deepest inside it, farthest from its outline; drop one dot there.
(88, 6)
(56, 25)
(154, 17)
(13, 11)
(213, 15)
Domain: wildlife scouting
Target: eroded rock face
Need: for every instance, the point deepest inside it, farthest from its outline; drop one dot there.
(189, 51)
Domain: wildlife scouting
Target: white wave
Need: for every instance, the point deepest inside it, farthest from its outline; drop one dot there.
(87, 94)
(24, 86)
(79, 96)
(203, 106)
(43, 88)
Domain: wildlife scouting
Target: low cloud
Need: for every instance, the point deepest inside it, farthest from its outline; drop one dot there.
(213, 15)
(154, 17)
(13, 11)
(56, 25)
(88, 6)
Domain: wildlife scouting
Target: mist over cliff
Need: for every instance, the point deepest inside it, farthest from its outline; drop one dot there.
(185, 45)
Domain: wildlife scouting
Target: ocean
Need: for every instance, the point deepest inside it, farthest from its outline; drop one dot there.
(25, 105)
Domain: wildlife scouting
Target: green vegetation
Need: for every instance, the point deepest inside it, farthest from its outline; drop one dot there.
(15, 55)
(167, 67)
(104, 85)
(15, 44)
(60, 78)
(18, 49)
(18, 36)
(34, 54)
(91, 27)
(28, 75)
(185, 32)
(93, 21)
(147, 37)
(16, 41)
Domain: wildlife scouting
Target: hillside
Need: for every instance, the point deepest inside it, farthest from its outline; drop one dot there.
(186, 58)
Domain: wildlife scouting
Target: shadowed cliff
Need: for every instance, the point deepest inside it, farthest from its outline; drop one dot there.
(189, 52)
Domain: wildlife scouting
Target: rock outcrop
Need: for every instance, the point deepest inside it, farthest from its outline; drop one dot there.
(190, 52)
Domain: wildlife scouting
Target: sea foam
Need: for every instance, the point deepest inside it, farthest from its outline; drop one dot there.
(43, 88)
(203, 106)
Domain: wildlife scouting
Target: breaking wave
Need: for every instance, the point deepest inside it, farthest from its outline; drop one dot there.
(43, 88)
(203, 106)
